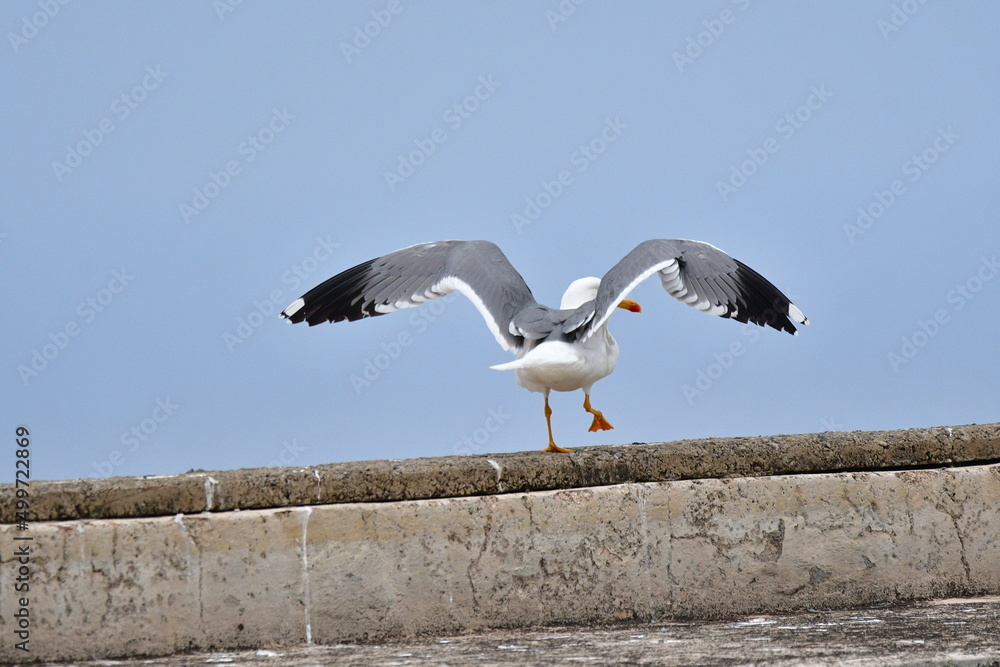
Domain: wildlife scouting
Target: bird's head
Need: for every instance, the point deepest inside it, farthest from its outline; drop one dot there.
(583, 290)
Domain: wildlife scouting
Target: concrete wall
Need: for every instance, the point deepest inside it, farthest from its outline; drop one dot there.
(327, 573)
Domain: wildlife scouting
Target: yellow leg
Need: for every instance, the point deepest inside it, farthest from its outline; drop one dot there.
(599, 423)
(553, 447)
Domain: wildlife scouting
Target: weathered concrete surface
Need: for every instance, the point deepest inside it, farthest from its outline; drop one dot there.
(453, 476)
(946, 632)
(707, 548)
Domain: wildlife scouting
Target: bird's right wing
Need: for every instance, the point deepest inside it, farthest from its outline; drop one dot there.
(409, 277)
(703, 277)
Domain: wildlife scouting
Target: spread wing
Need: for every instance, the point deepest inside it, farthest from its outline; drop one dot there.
(703, 277)
(419, 273)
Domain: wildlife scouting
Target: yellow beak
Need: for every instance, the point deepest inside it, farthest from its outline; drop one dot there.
(630, 305)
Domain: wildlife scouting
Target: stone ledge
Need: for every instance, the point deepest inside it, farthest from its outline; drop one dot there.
(638, 552)
(457, 476)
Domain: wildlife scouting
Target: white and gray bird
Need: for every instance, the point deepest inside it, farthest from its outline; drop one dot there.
(562, 349)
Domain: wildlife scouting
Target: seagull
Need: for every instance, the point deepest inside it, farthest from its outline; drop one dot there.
(562, 349)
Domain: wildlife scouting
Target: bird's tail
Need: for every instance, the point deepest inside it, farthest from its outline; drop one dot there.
(509, 366)
(551, 356)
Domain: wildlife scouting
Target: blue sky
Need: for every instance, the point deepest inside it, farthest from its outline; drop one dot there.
(176, 173)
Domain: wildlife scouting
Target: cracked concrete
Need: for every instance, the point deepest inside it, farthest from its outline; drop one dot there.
(631, 552)
(956, 632)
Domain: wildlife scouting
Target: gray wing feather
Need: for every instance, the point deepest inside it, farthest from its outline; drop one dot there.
(409, 277)
(703, 277)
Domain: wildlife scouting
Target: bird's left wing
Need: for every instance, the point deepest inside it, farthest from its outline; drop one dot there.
(703, 277)
(409, 277)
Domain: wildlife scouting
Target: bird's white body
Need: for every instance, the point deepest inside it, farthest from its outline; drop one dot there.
(561, 366)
